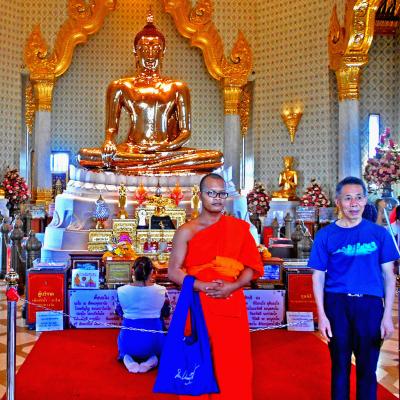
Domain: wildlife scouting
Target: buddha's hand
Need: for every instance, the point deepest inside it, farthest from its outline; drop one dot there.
(108, 152)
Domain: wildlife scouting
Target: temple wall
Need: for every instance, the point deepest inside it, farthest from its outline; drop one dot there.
(290, 64)
(10, 88)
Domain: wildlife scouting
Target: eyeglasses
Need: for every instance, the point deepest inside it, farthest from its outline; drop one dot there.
(213, 194)
(356, 199)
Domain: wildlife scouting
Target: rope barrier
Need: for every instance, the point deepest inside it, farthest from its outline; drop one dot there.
(108, 325)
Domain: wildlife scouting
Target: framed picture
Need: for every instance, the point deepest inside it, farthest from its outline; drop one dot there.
(326, 215)
(307, 214)
(273, 272)
(85, 263)
(85, 278)
(118, 272)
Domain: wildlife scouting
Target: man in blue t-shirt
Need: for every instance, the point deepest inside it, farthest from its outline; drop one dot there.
(354, 288)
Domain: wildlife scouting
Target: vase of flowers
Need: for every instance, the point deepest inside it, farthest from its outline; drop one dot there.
(258, 204)
(16, 190)
(383, 170)
(314, 196)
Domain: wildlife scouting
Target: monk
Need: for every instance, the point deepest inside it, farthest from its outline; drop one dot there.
(221, 253)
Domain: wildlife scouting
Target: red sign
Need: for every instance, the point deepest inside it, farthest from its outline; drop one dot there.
(46, 290)
(300, 293)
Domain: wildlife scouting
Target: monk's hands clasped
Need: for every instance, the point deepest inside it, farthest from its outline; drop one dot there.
(221, 289)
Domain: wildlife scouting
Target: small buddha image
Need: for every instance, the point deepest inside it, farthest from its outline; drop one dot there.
(122, 214)
(195, 201)
(142, 215)
(287, 181)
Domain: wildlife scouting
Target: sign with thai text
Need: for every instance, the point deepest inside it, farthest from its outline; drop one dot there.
(49, 321)
(300, 321)
(93, 308)
(265, 307)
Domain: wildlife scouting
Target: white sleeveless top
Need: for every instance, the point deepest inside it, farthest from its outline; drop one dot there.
(141, 301)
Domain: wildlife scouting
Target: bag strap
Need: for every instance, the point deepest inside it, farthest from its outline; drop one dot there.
(185, 301)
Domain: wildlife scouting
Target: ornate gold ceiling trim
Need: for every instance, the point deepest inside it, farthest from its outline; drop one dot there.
(387, 20)
(348, 46)
(195, 23)
(83, 20)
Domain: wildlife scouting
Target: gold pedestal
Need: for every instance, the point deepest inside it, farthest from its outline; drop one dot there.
(43, 196)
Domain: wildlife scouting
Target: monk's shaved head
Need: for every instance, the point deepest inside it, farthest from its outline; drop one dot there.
(210, 176)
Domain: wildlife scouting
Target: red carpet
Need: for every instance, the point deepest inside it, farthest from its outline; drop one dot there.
(81, 364)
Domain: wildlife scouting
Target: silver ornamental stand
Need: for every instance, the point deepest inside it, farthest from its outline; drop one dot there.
(12, 298)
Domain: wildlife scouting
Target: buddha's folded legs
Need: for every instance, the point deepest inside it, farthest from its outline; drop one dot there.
(184, 159)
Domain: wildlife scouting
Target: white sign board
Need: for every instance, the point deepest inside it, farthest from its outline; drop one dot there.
(93, 308)
(265, 307)
(301, 320)
(49, 321)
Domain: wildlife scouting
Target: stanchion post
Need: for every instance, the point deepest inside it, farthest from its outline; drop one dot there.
(5, 229)
(17, 263)
(12, 298)
(32, 248)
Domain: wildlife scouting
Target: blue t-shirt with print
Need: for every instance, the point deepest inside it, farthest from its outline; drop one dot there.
(352, 257)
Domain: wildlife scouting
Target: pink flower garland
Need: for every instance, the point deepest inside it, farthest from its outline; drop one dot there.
(258, 200)
(384, 168)
(15, 187)
(314, 196)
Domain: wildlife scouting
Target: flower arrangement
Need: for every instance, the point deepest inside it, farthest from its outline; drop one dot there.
(258, 200)
(176, 194)
(15, 187)
(314, 196)
(384, 169)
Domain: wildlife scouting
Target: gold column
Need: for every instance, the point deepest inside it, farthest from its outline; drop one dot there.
(232, 97)
(348, 81)
(348, 46)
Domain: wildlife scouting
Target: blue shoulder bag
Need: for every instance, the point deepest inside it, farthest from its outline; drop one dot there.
(186, 366)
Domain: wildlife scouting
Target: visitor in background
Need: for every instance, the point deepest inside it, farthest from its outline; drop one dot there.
(394, 219)
(380, 205)
(352, 260)
(142, 303)
(370, 213)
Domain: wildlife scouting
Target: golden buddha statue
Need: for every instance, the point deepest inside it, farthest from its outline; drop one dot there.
(159, 111)
(122, 214)
(288, 181)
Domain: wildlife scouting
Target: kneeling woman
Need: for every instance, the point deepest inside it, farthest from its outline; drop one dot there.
(143, 303)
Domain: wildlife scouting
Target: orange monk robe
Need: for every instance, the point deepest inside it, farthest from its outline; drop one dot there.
(221, 251)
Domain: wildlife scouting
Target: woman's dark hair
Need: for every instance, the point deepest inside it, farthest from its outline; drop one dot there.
(142, 268)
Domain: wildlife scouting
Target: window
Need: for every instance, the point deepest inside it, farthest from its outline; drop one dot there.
(373, 133)
(59, 162)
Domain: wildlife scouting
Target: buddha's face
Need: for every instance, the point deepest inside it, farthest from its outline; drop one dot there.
(149, 52)
(288, 162)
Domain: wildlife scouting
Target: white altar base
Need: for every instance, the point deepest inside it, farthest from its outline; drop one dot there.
(72, 219)
(3, 207)
(279, 209)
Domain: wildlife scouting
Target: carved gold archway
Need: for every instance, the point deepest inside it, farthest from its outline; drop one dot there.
(83, 20)
(349, 45)
(195, 23)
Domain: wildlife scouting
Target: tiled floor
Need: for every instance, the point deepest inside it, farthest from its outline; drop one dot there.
(388, 369)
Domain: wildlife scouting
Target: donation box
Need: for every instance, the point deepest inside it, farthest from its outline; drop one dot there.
(46, 287)
(300, 290)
